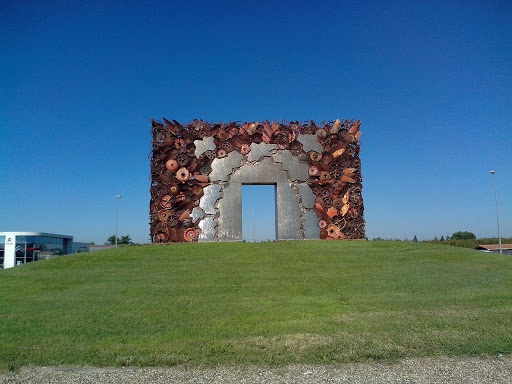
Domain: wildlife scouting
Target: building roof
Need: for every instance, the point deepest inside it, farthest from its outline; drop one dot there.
(494, 247)
(35, 234)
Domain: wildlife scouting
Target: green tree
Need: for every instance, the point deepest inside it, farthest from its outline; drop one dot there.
(415, 239)
(125, 240)
(112, 240)
(463, 235)
(442, 238)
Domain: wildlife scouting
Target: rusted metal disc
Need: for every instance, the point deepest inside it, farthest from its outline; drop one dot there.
(323, 234)
(354, 196)
(221, 153)
(339, 221)
(332, 230)
(174, 189)
(327, 202)
(245, 149)
(227, 146)
(222, 135)
(190, 234)
(171, 165)
(167, 201)
(172, 220)
(162, 216)
(182, 159)
(197, 190)
(315, 156)
(313, 171)
(340, 236)
(183, 174)
(322, 224)
(337, 203)
(325, 176)
(160, 237)
(353, 213)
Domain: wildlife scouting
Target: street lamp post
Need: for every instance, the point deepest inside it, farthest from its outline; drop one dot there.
(117, 210)
(497, 216)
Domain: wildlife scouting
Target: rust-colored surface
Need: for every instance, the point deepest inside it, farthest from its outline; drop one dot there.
(178, 176)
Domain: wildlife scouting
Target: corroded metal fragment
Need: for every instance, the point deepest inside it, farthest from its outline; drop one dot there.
(211, 194)
(264, 172)
(288, 213)
(296, 170)
(260, 150)
(207, 226)
(307, 195)
(311, 228)
(230, 218)
(222, 168)
(204, 145)
(197, 213)
(310, 143)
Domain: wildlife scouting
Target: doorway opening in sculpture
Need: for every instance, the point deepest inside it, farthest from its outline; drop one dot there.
(259, 212)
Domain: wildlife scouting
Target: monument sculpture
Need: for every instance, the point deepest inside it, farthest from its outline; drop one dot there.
(198, 169)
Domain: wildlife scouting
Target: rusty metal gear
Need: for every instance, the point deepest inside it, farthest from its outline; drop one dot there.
(182, 159)
(160, 237)
(327, 202)
(227, 146)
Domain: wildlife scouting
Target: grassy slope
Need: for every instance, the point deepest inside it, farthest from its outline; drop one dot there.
(267, 303)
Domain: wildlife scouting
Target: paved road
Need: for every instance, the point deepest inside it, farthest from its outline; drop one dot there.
(431, 370)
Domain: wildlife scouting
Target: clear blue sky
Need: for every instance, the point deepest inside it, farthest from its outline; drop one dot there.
(430, 81)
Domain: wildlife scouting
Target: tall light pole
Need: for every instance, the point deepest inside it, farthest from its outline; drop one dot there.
(497, 216)
(117, 210)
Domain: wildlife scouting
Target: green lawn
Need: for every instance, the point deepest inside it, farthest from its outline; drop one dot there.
(266, 303)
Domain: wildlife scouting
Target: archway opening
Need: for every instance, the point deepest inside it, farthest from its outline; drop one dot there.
(259, 212)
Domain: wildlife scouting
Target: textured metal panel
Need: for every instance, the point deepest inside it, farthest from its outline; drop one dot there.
(296, 170)
(307, 196)
(310, 143)
(210, 197)
(311, 229)
(263, 172)
(222, 168)
(207, 227)
(204, 145)
(230, 219)
(288, 213)
(260, 150)
(197, 213)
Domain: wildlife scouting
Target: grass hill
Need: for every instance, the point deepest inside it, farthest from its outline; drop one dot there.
(264, 303)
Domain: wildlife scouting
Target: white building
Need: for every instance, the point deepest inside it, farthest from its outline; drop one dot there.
(18, 248)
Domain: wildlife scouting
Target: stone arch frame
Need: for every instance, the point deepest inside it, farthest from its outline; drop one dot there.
(198, 169)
